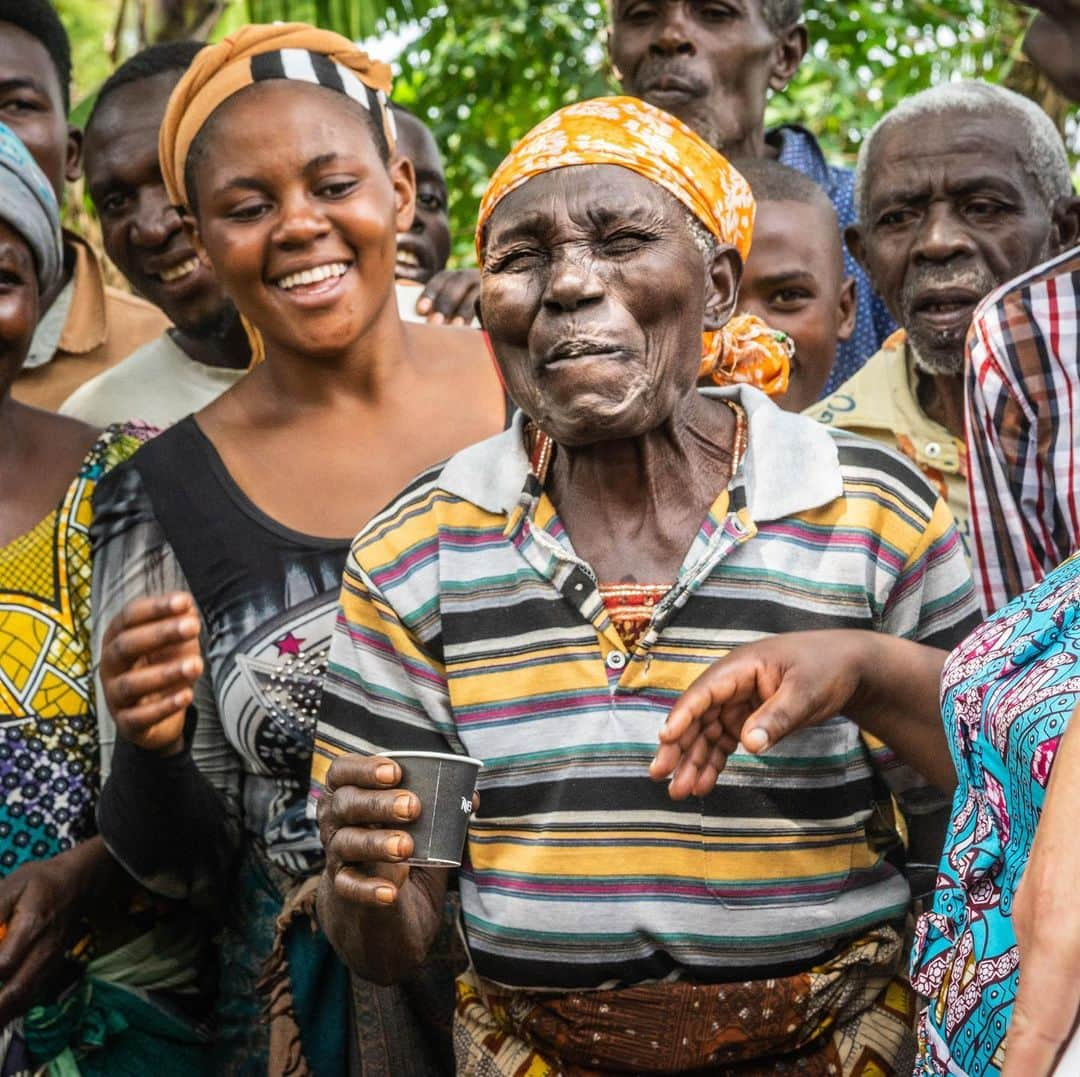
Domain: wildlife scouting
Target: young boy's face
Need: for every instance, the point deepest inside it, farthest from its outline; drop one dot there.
(794, 281)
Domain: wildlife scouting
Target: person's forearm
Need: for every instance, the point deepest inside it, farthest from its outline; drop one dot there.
(384, 945)
(167, 825)
(95, 874)
(898, 702)
(1053, 45)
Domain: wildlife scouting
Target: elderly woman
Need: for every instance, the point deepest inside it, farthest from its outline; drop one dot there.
(540, 601)
(87, 981)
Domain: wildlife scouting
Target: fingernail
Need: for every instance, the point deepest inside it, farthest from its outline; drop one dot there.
(180, 700)
(191, 667)
(403, 806)
(385, 895)
(756, 740)
(396, 847)
(189, 625)
(177, 603)
(458, 321)
(437, 319)
(423, 306)
(386, 774)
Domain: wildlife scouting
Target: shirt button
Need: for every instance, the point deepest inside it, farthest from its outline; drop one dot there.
(615, 660)
(933, 450)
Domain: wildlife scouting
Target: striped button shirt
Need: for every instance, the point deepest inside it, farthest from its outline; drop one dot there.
(1023, 429)
(467, 621)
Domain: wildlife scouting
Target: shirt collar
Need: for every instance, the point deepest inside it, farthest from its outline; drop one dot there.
(493, 473)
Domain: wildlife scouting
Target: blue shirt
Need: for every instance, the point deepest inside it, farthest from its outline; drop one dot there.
(873, 325)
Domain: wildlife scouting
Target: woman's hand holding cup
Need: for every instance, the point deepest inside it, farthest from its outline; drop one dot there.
(360, 815)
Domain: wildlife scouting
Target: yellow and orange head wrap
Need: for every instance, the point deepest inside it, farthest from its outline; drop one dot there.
(291, 50)
(629, 132)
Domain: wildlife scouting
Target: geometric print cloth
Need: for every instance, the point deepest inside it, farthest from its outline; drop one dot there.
(48, 738)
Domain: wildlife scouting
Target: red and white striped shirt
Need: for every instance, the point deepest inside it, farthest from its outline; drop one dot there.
(1023, 429)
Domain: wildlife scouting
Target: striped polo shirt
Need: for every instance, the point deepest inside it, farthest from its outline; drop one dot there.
(468, 623)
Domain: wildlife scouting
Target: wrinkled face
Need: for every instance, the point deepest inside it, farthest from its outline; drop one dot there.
(32, 105)
(18, 304)
(141, 231)
(708, 62)
(794, 281)
(425, 247)
(952, 212)
(594, 295)
(301, 230)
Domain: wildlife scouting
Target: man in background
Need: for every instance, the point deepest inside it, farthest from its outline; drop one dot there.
(85, 326)
(958, 187)
(206, 350)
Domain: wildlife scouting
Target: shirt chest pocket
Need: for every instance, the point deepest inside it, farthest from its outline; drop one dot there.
(790, 828)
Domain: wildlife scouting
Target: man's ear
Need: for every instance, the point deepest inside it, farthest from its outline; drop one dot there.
(403, 177)
(847, 309)
(856, 245)
(788, 53)
(73, 154)
(1066, 228)
(722, 287)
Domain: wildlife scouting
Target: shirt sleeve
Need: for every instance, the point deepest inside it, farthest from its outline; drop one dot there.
(173, 823)
(1012, 510)
(385, 690)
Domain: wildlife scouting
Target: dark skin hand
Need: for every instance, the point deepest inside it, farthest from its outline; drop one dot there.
(1053, 43)
(150, 661)
(381, 915)
(450, 297)
(43, 904)
(763, 691)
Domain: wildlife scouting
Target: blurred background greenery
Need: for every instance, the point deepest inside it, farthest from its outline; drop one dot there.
(482, 72)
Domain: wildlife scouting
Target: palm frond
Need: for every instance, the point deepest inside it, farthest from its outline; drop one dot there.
(353, 18)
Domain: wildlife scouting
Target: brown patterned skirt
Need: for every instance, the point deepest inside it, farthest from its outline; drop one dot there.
(852, 1016)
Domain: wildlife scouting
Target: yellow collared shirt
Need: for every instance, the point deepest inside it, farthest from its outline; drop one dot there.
(881, 402)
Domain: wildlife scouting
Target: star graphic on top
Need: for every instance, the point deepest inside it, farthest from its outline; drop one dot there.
(289, 644)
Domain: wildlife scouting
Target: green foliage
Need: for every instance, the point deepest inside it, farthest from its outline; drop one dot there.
(485, 72)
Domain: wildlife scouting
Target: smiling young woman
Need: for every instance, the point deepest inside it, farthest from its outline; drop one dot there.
(248, 506)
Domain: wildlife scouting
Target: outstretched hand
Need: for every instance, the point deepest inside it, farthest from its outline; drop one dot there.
(449, 298)
(755, 696)
(150, 661)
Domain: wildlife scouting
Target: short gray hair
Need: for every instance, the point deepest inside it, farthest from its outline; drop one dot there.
(780, 14)
(1047, 162)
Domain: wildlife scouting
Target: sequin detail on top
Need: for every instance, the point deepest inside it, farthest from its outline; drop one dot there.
(48, 736)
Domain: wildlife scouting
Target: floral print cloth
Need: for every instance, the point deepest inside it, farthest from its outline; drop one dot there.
(1007, 694)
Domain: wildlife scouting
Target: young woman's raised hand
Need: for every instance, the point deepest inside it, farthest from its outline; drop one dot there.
(150, 661)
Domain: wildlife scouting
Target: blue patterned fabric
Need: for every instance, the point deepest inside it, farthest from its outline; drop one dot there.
(873, 325)
(1007, 693)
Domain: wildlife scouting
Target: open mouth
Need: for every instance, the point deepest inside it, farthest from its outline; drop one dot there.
(179, 272)
(310, 278)
(946, 308)
(407, 258)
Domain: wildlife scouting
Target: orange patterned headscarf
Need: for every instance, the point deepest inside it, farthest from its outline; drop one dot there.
(629, 132)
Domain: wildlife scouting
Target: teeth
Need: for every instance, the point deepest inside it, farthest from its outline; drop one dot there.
(313, 276)
(185, 269)
(407, 258)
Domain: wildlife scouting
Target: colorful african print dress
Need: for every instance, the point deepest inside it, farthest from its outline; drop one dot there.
(49, 756)
(1007, 694)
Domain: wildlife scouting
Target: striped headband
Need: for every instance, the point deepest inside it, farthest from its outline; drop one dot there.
(293, 51)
